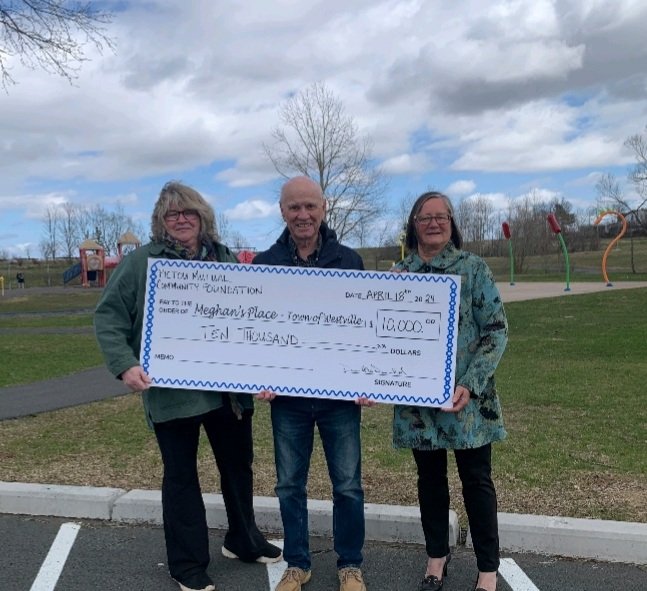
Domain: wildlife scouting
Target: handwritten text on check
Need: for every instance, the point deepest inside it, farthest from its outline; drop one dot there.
(324, 333)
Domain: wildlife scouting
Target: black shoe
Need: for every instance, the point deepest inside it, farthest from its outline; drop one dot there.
(432, 582)
(269, 554)
(481, 588)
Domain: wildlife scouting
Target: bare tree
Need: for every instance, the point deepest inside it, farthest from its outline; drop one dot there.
(107, 227)
(527, 216)
(49, 241)
(67, 225)
(228, 235)
(223, 226)
(638, 177)
(609, 191)
(474, 217)
(68, 229)
(611, 194)
(50, 34)
(638, 173)
(318, 139)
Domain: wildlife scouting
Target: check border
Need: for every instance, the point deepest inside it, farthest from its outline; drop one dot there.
(147, 333)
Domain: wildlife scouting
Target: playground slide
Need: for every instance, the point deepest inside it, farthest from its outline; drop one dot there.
(71, 273)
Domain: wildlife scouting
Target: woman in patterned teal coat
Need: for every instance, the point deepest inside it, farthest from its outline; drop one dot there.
(474, 421)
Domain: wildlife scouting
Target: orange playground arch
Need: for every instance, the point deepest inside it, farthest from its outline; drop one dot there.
(613, 242)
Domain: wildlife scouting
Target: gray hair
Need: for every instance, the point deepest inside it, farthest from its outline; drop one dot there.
(411, 238)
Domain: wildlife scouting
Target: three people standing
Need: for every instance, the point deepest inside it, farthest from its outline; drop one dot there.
(183, 227)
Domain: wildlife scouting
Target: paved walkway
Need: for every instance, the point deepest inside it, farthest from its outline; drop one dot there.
(82, 387)
(533, 291)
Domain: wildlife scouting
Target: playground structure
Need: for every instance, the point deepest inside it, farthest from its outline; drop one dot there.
(94, 263)
(557, 230)
(507, 234)
(245, 256)
(613, 242)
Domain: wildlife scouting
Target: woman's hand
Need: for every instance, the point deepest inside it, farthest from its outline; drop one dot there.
(459, 400)
(136, 378)
(266, 395)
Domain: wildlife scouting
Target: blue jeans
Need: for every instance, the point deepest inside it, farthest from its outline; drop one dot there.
(338, 422)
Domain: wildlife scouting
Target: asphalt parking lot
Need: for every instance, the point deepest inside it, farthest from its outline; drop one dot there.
(91, 554)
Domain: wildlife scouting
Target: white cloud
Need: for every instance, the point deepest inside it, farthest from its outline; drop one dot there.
(405, 164)
(252, 209)
(458, 188)
(34, 205)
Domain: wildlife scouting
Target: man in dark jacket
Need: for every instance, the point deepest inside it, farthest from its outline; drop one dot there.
(308, 242)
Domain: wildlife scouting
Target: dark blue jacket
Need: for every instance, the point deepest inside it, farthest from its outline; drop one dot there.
(333, 255)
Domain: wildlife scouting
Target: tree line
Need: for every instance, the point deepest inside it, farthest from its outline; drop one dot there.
(67, 225)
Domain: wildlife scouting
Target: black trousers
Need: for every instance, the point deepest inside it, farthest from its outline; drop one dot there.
(185, 522)
(475, 471)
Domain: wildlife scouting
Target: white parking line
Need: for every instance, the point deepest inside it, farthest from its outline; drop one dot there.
(275, 570)
(514, 576)
(52, 567)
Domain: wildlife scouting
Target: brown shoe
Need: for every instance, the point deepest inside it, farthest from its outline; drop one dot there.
(293, 578)
(350, 579)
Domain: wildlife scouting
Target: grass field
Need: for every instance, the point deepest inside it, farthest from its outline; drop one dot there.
(572, 385)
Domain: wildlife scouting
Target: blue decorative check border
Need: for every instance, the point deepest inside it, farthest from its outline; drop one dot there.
(147, 333)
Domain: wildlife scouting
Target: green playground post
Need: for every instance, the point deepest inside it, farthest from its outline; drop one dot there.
(555, 227)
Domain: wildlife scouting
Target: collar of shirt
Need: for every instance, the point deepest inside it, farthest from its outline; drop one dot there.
(312, 259)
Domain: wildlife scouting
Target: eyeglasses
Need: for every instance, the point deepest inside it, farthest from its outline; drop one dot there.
(174, 216)
(441, 219)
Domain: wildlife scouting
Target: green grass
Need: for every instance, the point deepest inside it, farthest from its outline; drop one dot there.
(575, 366)
(68, 300)
(572, 386)
(584, 265)
(42, 356)
(39, 321)
(36, 351)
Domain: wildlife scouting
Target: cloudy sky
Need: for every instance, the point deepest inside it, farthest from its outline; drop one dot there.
(497, 98)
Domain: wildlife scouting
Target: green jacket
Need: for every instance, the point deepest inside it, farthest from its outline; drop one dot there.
(118, 322)
(482, 338)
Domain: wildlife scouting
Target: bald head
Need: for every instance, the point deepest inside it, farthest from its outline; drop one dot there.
(300, 185)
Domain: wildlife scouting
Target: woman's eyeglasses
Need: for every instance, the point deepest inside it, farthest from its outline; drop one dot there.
(174, 216)
(441, 219)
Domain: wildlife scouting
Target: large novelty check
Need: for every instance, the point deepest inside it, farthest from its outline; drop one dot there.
(324, 333)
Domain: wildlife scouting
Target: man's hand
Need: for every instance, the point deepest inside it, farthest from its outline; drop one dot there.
(365, 402)
(266, 395)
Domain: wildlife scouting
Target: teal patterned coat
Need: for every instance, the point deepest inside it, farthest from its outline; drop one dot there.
(482, 338)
